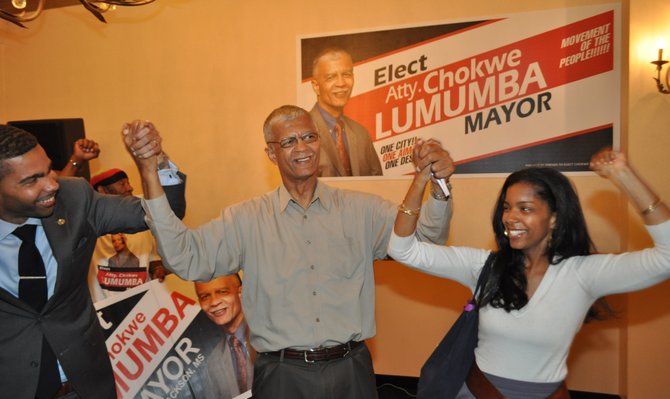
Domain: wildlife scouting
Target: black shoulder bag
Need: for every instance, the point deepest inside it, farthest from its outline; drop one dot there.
(445, 371)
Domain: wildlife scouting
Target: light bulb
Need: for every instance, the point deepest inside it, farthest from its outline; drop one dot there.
(19, 4)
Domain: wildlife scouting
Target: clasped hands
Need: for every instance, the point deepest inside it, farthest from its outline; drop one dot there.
(431, 160)
(142, 140)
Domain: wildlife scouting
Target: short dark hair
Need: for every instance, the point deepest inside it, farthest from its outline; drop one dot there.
(13, 142)
(237, 275)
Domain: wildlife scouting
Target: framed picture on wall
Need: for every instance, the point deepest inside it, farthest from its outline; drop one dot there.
(499, 92)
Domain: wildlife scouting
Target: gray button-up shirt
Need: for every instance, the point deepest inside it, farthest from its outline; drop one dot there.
(308, 275)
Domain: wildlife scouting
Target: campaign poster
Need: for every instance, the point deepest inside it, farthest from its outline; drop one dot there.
(500, 93)
(159, 341)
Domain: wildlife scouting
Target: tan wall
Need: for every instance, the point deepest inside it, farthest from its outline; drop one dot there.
(649, 142)
(207, 72)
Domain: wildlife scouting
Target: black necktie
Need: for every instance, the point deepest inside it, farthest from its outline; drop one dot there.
(32, 274)
(33, 291)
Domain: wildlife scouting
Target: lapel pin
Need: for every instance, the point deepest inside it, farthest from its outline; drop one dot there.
(60, 221)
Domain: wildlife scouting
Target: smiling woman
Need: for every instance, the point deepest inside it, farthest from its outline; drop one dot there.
(543, 278)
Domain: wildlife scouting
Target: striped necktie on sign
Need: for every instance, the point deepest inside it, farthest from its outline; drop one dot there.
(241, 360)
(341, 147)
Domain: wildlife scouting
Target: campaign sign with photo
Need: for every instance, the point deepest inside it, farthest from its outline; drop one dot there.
(500, 93)
(158, 341)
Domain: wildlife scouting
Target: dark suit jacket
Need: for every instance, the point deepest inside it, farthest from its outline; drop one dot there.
(221, 381)
(362, 154)
(68, 320)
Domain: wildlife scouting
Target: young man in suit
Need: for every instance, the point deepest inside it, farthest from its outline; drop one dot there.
(51, 344)
(346, 146)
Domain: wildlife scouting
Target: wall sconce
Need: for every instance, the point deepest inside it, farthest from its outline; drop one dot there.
(21, 13)
(659, 67)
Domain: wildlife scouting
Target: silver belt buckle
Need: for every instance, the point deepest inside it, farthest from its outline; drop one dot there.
(348, 349)
(305, 355)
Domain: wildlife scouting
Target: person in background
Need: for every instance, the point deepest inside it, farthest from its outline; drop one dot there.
(543, 279)
(230, 364)
(123, 258)
(83, 150)
(51, 344)
(307, 251)
(346, 146)
(104, 279)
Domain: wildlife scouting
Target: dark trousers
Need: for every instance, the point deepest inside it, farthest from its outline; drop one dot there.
(351, 377)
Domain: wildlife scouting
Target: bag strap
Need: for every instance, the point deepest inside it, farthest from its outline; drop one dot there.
(483, 277)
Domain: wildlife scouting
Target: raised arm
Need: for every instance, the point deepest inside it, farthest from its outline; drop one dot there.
(614, 166)
(143, 142)
(432, 162)
(83, 151)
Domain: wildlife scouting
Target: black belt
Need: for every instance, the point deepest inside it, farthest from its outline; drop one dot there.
(318, 354)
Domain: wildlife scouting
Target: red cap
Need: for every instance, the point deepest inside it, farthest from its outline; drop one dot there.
(108, 177)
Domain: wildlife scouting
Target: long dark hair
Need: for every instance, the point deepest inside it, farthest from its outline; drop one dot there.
(507, 284)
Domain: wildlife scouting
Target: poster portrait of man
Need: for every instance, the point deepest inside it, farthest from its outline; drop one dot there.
(230, 363)
(346, 146)
(501, 92)
(165, 341)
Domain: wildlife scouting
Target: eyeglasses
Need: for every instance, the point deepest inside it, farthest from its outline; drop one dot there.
(292, 141)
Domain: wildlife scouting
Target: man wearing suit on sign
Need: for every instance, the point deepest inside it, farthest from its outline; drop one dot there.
(346, 146)
(51, 344)
(230, 366)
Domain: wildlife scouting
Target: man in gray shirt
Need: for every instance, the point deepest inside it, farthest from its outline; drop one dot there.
(307, 251)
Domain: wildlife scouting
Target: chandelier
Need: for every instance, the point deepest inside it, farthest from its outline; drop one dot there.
(27, 10)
